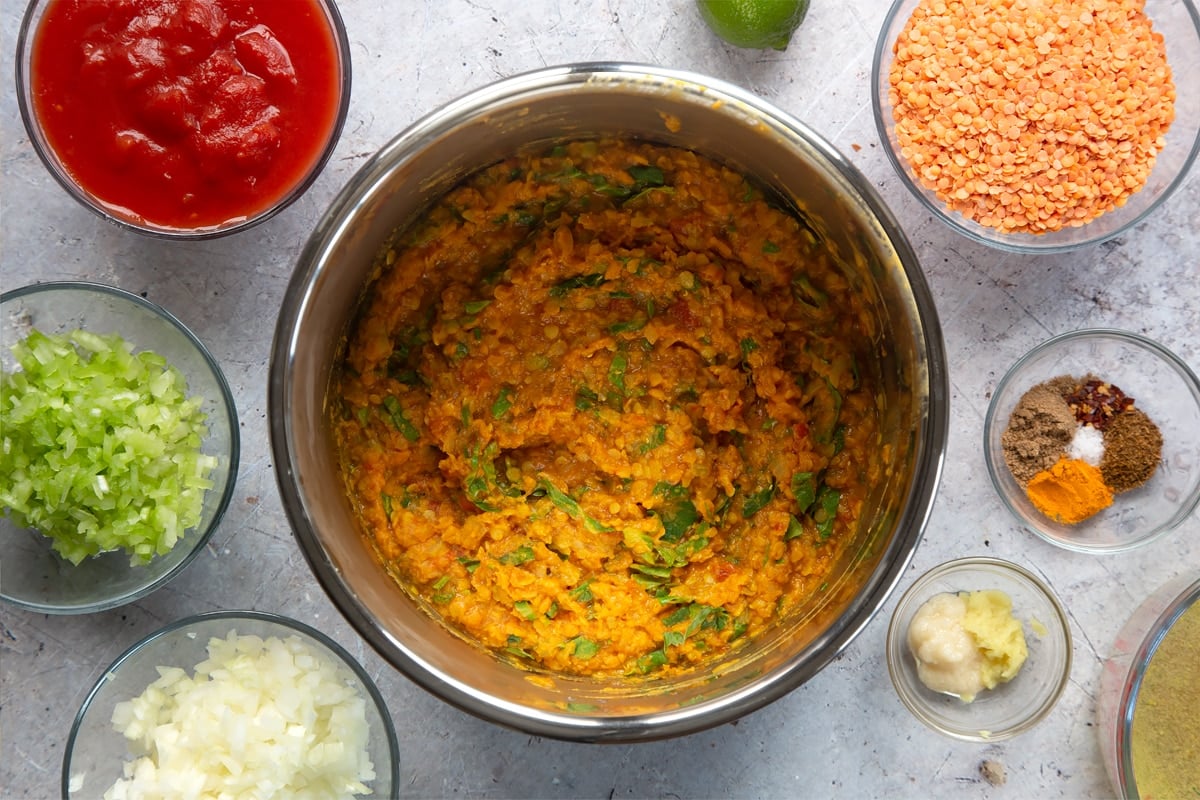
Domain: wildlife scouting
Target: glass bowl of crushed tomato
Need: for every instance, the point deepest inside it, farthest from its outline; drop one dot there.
(1040, 132)
(1092, 440)
(183, 120)
(578, 377)
(233, 704)
(120, 447)
(979, 649)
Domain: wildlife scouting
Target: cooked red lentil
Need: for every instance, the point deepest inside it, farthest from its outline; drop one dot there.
(1031, 115)
(602, 411)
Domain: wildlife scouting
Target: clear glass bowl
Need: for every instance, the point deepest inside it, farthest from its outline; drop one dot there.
(1010, 708)
(1161, 384)
(26, 36)
(95, 752)
(32, 575)
(1179, 24)
(1121, 680)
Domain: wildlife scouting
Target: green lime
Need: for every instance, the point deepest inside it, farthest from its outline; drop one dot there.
(754, 23)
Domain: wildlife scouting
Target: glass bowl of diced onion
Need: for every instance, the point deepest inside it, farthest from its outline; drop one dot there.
(120, 447)
(989, 132)
(233, 704)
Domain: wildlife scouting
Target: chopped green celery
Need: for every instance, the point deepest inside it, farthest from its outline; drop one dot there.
(100, 446)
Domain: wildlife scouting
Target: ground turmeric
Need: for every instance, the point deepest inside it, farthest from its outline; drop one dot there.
(1070, 491)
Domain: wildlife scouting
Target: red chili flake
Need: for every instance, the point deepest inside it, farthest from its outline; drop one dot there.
(1096, 402)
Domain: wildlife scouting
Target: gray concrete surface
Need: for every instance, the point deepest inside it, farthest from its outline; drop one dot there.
(843, 734)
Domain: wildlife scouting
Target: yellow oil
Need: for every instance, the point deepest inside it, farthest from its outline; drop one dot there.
(1165, 739)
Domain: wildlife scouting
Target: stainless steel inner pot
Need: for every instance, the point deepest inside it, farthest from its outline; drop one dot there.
(670, 107)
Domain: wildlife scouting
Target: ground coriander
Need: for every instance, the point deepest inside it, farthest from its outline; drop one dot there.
(1039, 430)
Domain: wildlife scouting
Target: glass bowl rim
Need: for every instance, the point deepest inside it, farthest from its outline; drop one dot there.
(33, 129)
(992, 463)
(294, 625)
(226, 401)
(1001, 241)
(1000, 565)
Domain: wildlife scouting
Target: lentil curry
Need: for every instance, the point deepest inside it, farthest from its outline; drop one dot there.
(601, 411)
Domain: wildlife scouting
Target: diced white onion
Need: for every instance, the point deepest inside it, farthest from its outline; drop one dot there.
(260, 718)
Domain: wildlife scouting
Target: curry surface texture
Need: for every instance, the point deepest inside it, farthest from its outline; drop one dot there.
(601, 409)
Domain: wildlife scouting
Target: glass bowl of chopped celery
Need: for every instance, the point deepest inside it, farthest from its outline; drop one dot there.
(119, 448)
(233, 704)
(1033, 137)
(979, 649)
(1092, 440)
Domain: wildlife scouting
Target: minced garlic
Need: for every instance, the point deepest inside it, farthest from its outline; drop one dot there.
(966, 642)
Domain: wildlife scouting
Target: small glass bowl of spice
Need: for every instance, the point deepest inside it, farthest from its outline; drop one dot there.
(1092, 440)
(1042, 126)
(979, 649)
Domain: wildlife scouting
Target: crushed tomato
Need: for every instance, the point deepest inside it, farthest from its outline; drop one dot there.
(186, 114)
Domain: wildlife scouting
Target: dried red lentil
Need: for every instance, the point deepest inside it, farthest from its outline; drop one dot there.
(1031, 115)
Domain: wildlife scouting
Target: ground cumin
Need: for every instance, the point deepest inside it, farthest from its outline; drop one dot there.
(1132, 448)
(1031, 115)
(1070, 491)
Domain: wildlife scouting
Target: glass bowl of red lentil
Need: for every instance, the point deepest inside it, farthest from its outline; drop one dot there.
(1039, 132)
(1092, 440)
(230, 127)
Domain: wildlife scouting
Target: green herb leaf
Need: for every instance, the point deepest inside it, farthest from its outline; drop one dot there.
(570, 506)
(794, 529)
(757, 501)
(525, 609)
(616, 371)
(770, 247)
(646, 175)
(396, 414)
(804, 488)
(808, 295)
(522, 555)
(585, 648)
(651, 661)
(475, 306)
(663, 573)
(658, 437)
(588, 280)
(583, 592)
(628, 326)
(826, 512)
(503, 402)
(677, 518)
(677, 616)
(514, 647)
(471, 564)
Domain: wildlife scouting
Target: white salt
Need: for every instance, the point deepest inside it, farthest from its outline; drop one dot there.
(1087, 445)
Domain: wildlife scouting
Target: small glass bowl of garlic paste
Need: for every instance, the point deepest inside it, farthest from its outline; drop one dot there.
(1014, 703)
